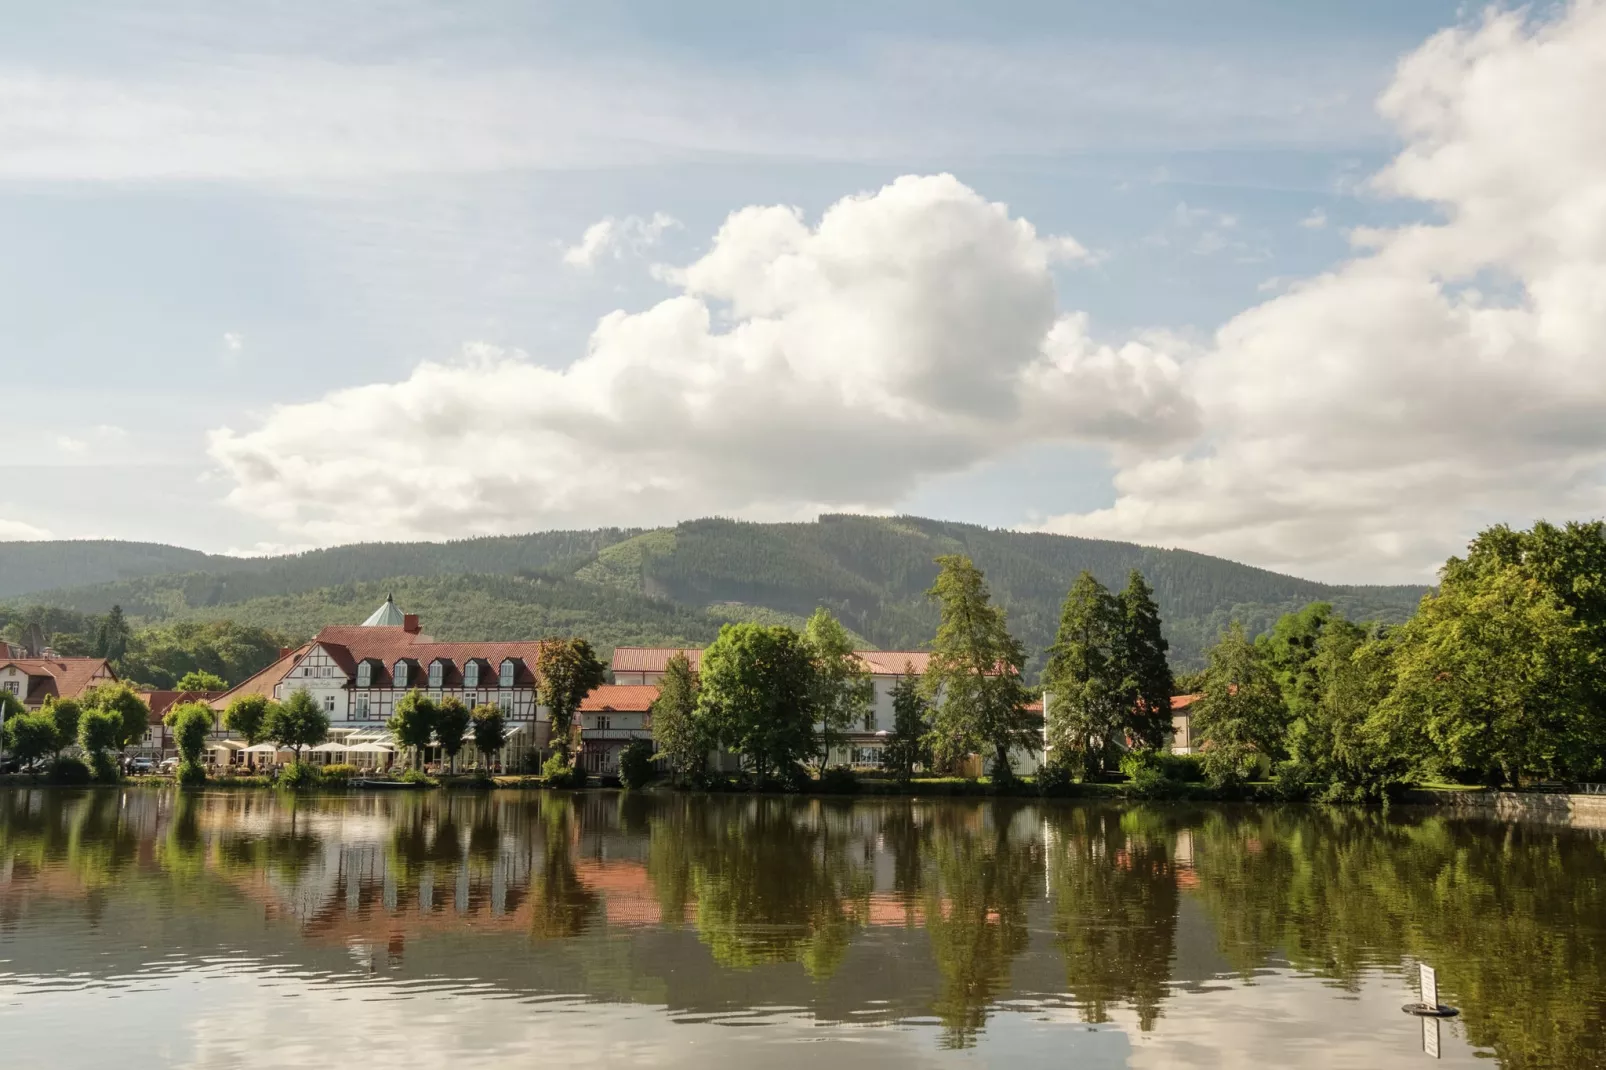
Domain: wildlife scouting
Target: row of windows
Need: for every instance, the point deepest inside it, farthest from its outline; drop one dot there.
(507, 672)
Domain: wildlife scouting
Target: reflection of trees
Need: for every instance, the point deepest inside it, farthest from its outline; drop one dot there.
(978, 878)
(774, 880)
(1115, 909)
(562, 904)
(1512, 916)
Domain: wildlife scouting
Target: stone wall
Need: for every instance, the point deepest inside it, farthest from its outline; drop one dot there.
(1579, 811)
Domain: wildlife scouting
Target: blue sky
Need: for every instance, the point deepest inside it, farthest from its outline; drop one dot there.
(208, 214)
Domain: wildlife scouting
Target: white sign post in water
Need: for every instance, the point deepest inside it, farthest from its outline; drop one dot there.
(1428, 984)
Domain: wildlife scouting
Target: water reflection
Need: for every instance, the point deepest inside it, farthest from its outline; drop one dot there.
(967, 923)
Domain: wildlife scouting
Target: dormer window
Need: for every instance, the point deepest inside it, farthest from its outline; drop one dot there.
(471, 674)
(365, 674)
(401, 674)
(437, 673)
(509, 667)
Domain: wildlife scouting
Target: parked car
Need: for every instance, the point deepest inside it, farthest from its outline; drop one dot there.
(168, 767)
(142, 766)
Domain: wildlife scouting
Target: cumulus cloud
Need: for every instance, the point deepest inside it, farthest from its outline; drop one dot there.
(233, 341)
(17, 531)
(1451, 373)
(607, 237)
(1315, 221)
(912, 331)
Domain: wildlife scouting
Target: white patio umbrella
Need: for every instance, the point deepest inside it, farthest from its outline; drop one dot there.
(330, 748)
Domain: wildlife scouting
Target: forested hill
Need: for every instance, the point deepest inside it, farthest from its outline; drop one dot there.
(677, 584)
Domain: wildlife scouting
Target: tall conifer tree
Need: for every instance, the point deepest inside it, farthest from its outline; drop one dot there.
(1141, 664)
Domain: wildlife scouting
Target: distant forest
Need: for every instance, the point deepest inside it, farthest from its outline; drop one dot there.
(670, 585)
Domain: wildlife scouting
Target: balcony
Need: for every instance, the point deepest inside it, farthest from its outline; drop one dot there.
(614, 735)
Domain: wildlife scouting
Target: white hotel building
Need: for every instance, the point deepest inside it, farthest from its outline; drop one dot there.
(359, 673)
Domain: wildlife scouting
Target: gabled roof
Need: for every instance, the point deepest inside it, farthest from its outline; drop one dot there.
(1182, 702)
(652, 658)
(262, 683)
(893, 662)
(621, 698)
(162, 701)
(59, 677)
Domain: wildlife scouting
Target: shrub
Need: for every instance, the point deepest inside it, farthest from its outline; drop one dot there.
(474, 778)
(191, 773)
(558, 773)
(839, 780)
(300, 776)
(416, 776)
(68, 771)
(1134, 762)
(636, 767)
(1151, 783)
(1056, 778)
(1184, 768)
(338, 773)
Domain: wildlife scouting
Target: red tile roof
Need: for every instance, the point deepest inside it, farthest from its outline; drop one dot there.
(1182, 702)
(651, 658)
(894, 662)
(621, 698)
(263, 682)
(59, 677)
(162, 701)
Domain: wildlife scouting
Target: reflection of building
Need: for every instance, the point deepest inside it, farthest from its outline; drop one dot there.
(862, 743)
(359, 673)
(34, 680)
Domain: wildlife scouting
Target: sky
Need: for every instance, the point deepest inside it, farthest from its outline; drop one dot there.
(1319, 287)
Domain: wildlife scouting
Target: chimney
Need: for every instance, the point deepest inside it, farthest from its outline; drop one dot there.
(284, 651)
(410, 624)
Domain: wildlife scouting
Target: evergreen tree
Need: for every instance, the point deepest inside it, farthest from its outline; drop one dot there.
(905, 747)
(1142, 666)
(452, 722)
(844, 691)
(412, 723)
(683, 742)
(1086, 693)
(973, 680)
(569, 670)
(112, 636)
(758, 694)
(1241, 716)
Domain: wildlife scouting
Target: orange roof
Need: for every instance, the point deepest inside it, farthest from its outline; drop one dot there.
(893, 662)
(263, 682)
(651, 658)
(350, 644)
(162, 701)
(60, 677)
(1182, 702)
(620, 698)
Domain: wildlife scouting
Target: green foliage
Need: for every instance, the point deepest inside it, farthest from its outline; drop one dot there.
(247, 717)
(1241, 719)
(1149, 776)
(452, 723)
(112, 636)
(412, 723)
(838, 780)
(297, 722)
(677, 726)
(1086, 693)
(70, 771)
(568, 671)
(65, 713)
(1141, 664)
(98, 732)
(757, 695)
(843, 690)
(191, 773)
(300, 776)
(191, 723)
(636, 765)
(1056, 778)
(559, 772)
(337, 774)
(201, 680)
(417, 776)
(119, 700)
(31, 736)
(905, 747)
(973, 680)
(490, 731)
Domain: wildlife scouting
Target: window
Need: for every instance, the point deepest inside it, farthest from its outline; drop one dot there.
(437, 673)
(328, 704)
(505, 704)
(509, 667)
(604, 722)
(365, 674)
(362, 707)
(401, 674)
(12, 687)
(471, 674)
(869, 721)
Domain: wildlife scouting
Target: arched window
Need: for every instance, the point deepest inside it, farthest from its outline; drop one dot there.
(365, 674)
(401, 674)
(509, 667)
(471, 674)
(437, 673)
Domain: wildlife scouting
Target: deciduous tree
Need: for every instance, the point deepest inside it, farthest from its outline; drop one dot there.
(452, 722)
(905, 747)
(677, 727)
(412, 723)
(569, 670)
(297, 722)
(843, 689)
(490, 731)
(758, 693)
(247, 715)
(200, 680)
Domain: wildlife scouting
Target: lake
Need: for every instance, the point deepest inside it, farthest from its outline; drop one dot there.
(144, 927)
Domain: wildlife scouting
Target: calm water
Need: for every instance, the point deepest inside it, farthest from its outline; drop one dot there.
(145, 928)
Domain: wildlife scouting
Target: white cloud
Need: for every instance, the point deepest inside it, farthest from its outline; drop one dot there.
(618, 237)
(1315, 221)
(1370, 419)
(914, 331)
(233, 341)
(75, 446)
(17, 531)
